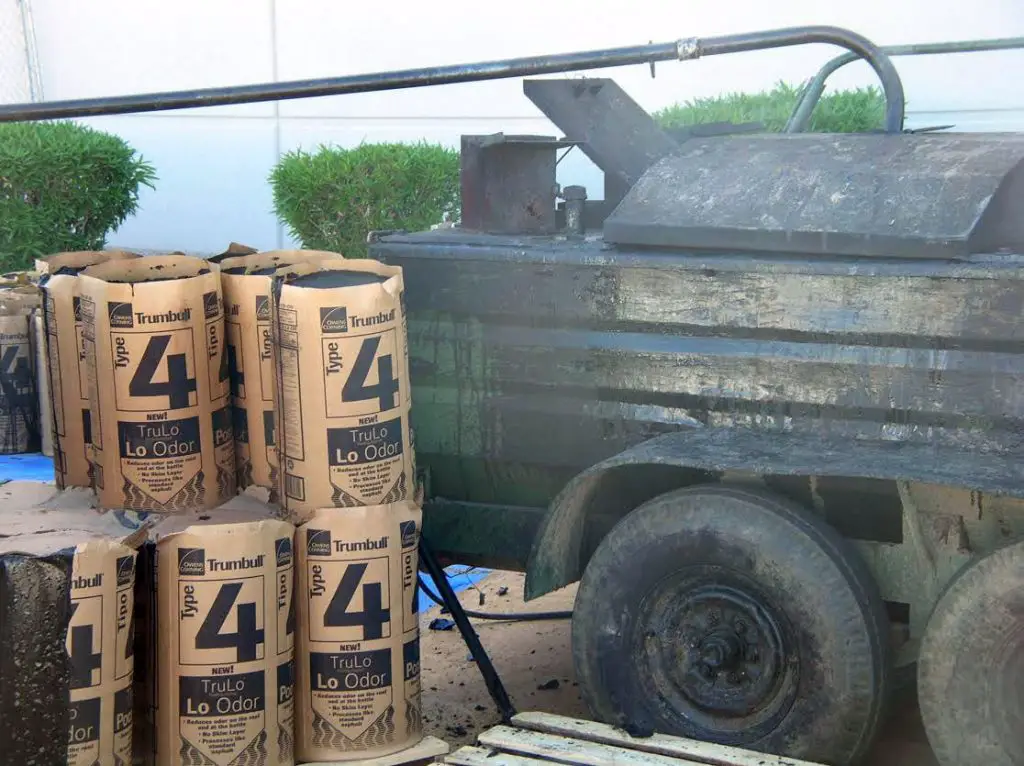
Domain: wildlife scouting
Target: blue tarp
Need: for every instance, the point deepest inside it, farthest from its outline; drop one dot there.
(38, 467)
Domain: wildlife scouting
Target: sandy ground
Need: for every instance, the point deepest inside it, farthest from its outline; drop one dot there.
(535, 663)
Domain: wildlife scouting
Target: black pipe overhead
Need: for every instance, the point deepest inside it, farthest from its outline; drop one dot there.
(682, 50)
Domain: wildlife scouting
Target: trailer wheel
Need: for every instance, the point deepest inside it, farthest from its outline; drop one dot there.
(733, 616)
(971, 667)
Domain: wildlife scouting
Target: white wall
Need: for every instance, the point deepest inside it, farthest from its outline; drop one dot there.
(213, 163)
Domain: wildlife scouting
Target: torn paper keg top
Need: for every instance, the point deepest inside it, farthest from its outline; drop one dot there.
(337, 278)
(267, 263)
(150, 268)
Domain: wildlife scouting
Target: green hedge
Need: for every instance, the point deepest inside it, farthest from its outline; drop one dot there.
(63, 186)
(845, 111)
(331, 199)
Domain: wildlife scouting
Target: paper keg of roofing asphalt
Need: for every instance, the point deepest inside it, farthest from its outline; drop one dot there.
(342, 396)
(225, 623)
(19, 397)
(246, 282)
(66, 599)
(157, 373)
(358, 659)
(67, 402)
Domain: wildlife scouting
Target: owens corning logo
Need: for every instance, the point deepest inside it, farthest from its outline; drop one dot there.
(284, 552)
(263, 308)
(125, 570)
(76, 307)
(408, 532)
(333, 319)
(318, 542)
(191, 562)
(120, 314)
(211, 305)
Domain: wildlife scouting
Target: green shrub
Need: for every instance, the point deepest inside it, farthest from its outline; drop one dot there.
(331, 199)
(63, 186)
(845, 111)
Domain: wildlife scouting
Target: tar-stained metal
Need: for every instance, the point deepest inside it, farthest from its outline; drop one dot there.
(532, 359)
(613, 130)
(906, 196)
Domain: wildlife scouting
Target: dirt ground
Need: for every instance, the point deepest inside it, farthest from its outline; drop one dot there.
(535, 663)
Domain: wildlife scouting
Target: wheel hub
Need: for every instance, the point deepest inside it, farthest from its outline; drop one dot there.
(719, 655)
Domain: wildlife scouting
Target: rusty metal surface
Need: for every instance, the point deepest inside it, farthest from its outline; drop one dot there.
(921, 196)
(507, 183)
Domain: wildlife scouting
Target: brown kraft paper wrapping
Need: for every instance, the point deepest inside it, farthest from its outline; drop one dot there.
(101, 647)
(343, 397)
(42, 368)
(226, 644)
(19, 397)
(358, 683)
(68, 401)
(246, 282)
(153, 335)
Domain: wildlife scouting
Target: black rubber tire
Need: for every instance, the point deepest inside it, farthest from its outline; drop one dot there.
(819, 593)
(971, 668)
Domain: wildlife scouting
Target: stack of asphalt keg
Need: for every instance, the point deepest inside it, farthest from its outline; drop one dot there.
(180, 388)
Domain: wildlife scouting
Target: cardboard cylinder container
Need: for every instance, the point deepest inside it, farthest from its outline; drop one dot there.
(66, 407)
(246, 281)
(19, 396)
(226, 630)
(358, 661)
(157, 373)
(66, 601)
(343, 395)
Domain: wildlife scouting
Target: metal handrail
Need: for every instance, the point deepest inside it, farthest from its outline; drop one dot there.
(809, 97)
(682, 50)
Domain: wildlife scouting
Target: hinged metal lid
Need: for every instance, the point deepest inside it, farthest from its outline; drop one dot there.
(929, 196)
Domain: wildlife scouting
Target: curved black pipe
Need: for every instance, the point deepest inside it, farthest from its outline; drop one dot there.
(810, 96)
(892, 86)
(492, 70)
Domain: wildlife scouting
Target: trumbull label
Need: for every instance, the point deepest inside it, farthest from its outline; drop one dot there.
(247, 282)
(68, 396)
(224, 595)
(358, 669)
(344, 398)
(157, 378)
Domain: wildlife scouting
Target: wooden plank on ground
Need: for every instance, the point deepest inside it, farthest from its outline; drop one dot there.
(482, 756)
(427, 748)
(658, 744)
(552, 747)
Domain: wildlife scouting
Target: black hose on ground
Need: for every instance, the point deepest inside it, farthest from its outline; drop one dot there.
(511, 617)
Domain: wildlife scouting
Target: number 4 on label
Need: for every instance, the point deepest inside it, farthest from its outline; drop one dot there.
(357, 388)
(247, 637)
(178, 385)
(374, 615)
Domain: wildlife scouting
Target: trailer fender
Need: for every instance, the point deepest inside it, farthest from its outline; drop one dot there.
(617, 485)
